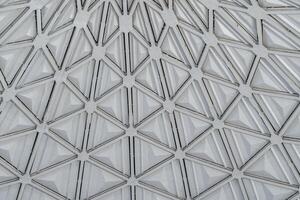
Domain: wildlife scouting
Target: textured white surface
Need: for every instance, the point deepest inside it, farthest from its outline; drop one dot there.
(149, 99)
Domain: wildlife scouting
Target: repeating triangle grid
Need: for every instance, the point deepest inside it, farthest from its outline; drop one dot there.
(149, 99)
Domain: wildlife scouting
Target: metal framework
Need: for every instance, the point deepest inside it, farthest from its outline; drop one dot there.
(149, 99)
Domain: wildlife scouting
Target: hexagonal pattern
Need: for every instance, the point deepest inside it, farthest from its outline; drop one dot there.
(149, 99)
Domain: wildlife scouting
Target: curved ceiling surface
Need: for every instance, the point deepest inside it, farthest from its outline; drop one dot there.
(149, 99)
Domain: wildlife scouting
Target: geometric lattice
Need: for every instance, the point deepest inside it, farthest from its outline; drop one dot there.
(149, 99)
